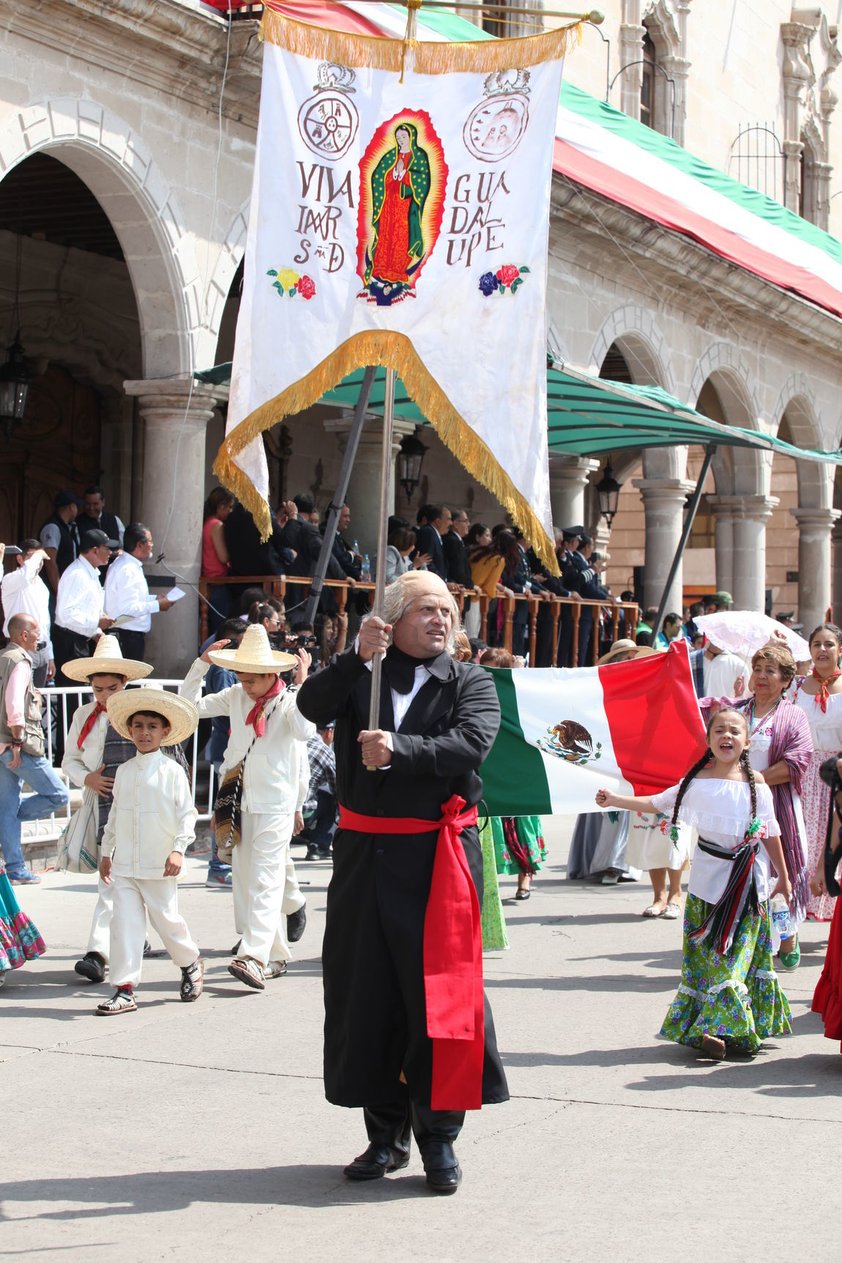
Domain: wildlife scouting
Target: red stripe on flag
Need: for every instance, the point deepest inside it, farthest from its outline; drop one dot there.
(653, 714)
(332, 16)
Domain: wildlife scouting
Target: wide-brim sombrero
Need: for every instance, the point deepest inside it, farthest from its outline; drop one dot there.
(181, 715)
(621, 647)
(107, 660)
(254, 655)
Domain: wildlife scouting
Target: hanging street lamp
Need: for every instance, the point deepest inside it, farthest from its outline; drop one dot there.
(608, 492)
(410, 459)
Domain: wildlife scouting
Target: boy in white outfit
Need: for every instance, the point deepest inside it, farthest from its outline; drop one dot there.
(151, 824)
(85, 766)
(267, 730)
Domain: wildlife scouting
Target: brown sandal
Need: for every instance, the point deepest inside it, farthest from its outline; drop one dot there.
(246, 970)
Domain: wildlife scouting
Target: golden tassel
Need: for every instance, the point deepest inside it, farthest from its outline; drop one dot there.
(388, 350)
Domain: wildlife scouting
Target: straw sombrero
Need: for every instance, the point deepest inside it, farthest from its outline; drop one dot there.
(181, 715)
(621, 647)
(254, 655)
(107, 660)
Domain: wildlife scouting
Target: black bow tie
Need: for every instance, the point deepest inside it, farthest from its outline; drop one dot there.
(399, 669)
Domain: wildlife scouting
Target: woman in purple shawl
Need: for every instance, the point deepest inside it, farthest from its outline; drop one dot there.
(780, 748)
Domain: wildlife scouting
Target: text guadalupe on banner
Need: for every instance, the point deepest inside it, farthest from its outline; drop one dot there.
(399, 217)
(634, 727)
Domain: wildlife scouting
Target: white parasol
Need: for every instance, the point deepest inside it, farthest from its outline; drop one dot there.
(744, 632)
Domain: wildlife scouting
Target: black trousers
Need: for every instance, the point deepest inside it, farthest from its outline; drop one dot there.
(132, 643)
(373, 967)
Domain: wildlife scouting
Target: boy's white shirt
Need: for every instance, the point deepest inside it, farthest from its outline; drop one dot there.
(152, 814)
(273, 780)
(76, 763)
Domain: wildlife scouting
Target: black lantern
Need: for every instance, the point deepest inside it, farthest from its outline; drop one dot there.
(608, 491)
(410, 459)
(14, 387)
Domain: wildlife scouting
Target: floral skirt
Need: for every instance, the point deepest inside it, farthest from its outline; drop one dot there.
(736, 997)
(827, 998)
(519, 845)
(19, 939)
(815, 800)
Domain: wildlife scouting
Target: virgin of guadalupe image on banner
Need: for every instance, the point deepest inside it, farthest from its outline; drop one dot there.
(401, 206)
(399, 218)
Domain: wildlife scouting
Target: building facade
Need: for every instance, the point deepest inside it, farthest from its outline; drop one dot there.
(126, 145)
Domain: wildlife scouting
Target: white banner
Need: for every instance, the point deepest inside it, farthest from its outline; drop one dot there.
(399, 217)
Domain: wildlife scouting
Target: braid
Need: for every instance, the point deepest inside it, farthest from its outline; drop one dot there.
(752, 783)
(682, 790)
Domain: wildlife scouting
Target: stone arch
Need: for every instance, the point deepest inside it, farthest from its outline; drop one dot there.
(723, 370)
(642, 343)
(110, 157)
(230, 257)
(797, 415)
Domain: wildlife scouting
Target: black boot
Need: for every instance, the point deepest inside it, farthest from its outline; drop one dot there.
(91, 966)
(389, 1137)
(435, 1131)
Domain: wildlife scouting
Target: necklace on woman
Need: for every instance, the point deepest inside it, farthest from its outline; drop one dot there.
(755, 722)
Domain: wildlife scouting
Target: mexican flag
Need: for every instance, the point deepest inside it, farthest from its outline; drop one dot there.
(633, 727)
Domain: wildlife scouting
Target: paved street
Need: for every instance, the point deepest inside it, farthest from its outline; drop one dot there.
(201, 1133)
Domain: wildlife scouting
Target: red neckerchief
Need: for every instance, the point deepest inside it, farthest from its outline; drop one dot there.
(825, 682)
(256, 717)
(88, 725)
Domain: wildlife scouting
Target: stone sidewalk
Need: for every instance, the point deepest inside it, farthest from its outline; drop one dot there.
(201, 1133)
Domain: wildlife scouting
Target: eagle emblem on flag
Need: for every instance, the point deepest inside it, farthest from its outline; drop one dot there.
(572, 742)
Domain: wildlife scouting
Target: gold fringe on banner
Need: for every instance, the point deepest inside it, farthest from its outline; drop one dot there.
(428, 58)
(388, 350)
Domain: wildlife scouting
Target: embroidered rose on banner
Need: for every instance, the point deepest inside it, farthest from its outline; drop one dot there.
(287, 281)
(508, 277)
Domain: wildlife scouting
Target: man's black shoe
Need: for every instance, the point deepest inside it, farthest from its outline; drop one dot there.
(296, 922)
(91, 966)
(377, 1161)
(444, 1174)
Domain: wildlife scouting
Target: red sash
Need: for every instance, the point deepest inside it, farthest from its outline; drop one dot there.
(88, 725)
(452, 954)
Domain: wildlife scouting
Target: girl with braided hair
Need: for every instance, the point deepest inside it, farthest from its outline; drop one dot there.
(729, 994)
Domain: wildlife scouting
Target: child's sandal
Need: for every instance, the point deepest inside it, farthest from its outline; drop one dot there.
(192, 981)
(121, 1002)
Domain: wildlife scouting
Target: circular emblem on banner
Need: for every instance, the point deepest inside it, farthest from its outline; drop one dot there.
(495, 127)
(328, 123)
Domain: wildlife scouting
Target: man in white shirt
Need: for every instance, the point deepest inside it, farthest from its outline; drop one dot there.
(80, 606)
(127, 592)
(23, 591)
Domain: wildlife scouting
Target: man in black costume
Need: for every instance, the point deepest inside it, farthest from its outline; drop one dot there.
(408, 1034)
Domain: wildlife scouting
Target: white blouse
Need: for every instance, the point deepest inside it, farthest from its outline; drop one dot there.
(826, 726)
(721, 811)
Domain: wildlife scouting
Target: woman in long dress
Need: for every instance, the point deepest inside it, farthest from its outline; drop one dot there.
(819, 695)
(19, 938)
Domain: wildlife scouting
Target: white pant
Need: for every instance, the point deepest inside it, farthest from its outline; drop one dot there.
(259, 865)
(293, 898)
(99, 940)
(134, 897)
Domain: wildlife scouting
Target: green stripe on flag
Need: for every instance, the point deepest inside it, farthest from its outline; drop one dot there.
(513, 776)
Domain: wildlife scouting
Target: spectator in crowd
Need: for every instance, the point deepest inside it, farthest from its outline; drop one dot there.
(247, 553)
(719, 601)
(717, 672)
(319, 810)
(571, 567)
(80, 607)
(95, 517)
(788, 620)
(399, 558)
(434, 523)
(348, 559)
(691, 631)
(300, 538)
(127, 592)
(590, 589)
(271, 619)
(216, 563)
(671, 630)
(334, 635)
(59, 537)
(456, 558)
(22, 750)
(646, 625)
(23, 591)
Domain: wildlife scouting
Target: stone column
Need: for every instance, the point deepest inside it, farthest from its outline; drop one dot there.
(363, 497)
(175, 420)
(664, 500)
(568, 480)
(815, 529)
(723, 513)
(751, 513)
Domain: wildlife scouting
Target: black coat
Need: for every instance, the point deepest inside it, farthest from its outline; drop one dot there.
(373, 949)
(428, 540)
(248, 553)
(456, 560)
